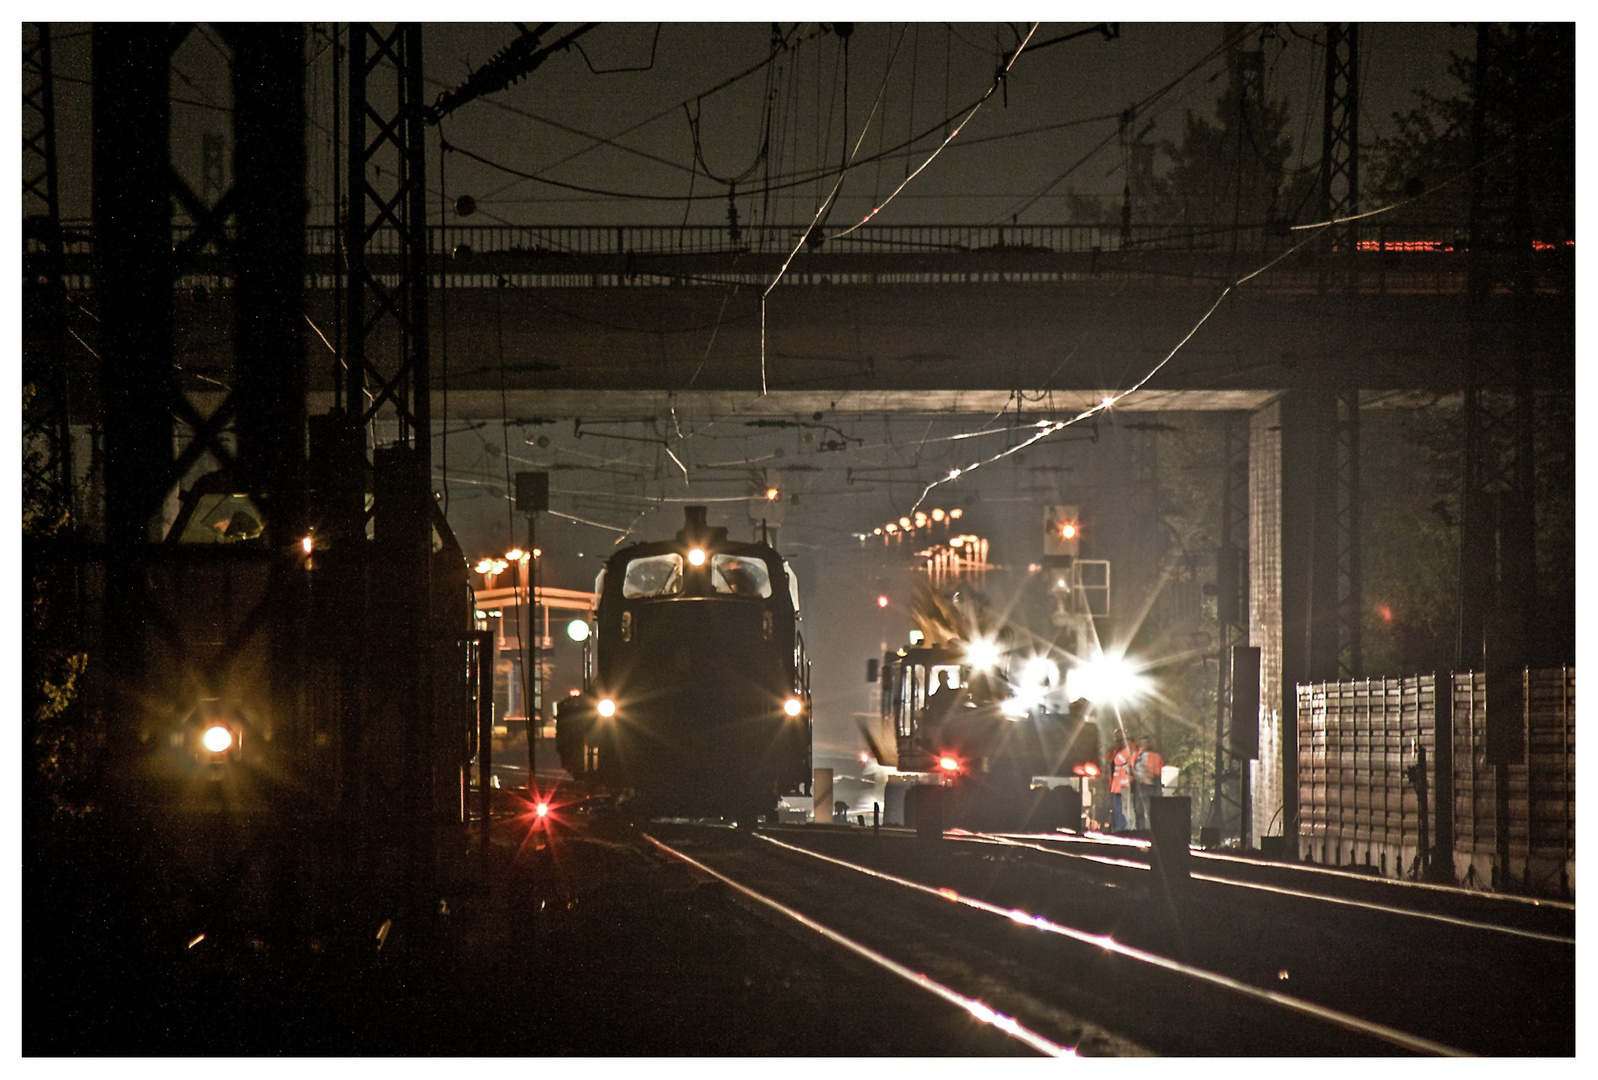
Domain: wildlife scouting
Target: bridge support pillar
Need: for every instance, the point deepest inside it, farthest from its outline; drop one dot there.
(1293, 602)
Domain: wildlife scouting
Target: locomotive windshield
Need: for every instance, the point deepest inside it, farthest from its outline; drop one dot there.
(739, 576)
(653, 575)
(221, 519)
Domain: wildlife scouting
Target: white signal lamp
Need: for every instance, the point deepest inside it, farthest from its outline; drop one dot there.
(217, 738)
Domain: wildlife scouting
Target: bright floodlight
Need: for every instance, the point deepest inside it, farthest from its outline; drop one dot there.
(217, 738)
(1107, 680)
(1039, 671)
(983, 654)
(577, 629)
(606, 707)
(792, 706)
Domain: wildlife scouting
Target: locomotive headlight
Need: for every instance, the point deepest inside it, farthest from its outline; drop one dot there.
(606, 707)
(217, 738)
(793, 706)
(696, 556)
(1018, 707)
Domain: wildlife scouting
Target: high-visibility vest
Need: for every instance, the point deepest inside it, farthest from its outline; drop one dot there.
(1148, 766)
(1120, 771)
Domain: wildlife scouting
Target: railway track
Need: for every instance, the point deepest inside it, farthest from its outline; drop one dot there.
(996, 928)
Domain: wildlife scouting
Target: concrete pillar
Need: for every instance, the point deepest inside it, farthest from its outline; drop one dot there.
(821, 793)
(1293, 590)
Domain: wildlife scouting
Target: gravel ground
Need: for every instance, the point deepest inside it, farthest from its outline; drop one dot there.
(585, 947)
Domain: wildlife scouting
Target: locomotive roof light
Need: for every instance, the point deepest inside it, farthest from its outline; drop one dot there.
(793, 706)
(696, 556)
(606, 707)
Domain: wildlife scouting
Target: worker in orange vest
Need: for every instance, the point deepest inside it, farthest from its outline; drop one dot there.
(1146, 769)
(1121, 759)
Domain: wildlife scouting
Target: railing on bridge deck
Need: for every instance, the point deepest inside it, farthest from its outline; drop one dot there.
(1389, 258)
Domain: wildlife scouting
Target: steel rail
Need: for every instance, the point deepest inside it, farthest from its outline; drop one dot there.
(982, 1012)
(1281, 890)
(1394, 883)
(1447, 920)
(1324, 1014)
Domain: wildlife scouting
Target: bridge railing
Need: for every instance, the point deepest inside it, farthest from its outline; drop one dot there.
(1388, 258)
(1260, 240)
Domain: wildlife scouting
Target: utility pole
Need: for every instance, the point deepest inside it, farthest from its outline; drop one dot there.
(532, 496)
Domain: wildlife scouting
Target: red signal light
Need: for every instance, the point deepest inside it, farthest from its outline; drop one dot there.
(882, 601)
(541, 810)
(949, 763)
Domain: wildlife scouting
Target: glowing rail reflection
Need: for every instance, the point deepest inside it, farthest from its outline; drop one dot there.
(1009, 1025)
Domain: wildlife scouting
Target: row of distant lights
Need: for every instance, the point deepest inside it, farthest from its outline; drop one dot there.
(907, 525)
(493, 567)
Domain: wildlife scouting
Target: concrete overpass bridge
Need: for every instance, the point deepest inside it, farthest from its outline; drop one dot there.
(582, 313)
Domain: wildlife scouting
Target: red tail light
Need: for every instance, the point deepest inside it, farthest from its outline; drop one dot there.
(949, 763)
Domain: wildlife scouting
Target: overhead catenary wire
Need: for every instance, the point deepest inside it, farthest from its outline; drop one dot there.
(821, 210)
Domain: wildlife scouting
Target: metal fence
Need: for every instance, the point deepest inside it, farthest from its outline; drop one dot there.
(1358, 807)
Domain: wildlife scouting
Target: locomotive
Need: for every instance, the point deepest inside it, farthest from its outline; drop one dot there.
(696, 690)
(307, 724)
(978, 735)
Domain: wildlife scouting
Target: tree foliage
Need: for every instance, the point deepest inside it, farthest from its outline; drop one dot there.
(1234, 170)
(1510, 122)
(55, 723)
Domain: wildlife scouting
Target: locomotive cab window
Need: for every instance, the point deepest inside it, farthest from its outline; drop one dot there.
(739, 576)
(221, 519)
(653, 575)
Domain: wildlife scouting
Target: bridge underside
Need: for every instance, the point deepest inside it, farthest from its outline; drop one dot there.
(927, 348)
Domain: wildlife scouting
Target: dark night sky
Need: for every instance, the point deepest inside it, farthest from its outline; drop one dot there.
(1053, 132)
